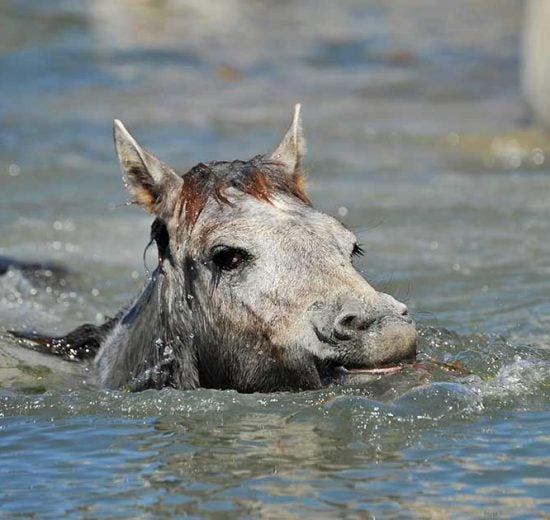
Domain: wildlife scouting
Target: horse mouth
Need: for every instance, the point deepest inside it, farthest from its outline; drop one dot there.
(386, 365)
(336, 373)
(387, 368)
(374, 371)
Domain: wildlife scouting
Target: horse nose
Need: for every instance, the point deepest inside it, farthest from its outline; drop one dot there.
(351, 321)
(394, 306)
(355, 318)
(402, 309)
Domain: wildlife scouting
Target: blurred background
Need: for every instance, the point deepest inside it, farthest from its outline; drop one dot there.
(425, 123)
(419, 139)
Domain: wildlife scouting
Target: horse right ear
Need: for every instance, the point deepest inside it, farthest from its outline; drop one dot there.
(292, 148)
(149, 181)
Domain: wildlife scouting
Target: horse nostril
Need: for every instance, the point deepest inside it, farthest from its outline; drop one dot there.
(404, 313)
(401, 309)
(347, 320)
(348, 323)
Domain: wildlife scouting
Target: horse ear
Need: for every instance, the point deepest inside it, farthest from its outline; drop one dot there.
(292, 148)
(148, 180)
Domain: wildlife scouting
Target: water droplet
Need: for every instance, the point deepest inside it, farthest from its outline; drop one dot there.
(14, 170)
(342, 211)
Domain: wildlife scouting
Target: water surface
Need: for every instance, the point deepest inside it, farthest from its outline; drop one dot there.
(418, 141)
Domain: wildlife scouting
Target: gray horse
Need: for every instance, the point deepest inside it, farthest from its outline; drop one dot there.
(255, 289)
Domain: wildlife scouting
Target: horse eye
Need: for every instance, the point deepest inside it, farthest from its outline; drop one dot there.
(229, 258)
(357, 250)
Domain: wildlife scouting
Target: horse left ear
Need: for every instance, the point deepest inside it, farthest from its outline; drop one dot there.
(292, 148)
(149, 181)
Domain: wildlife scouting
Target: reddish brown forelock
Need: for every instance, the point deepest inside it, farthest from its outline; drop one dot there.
(258, 185)
(193, 195)
(219, 196)
(262, 185)
(202, 182)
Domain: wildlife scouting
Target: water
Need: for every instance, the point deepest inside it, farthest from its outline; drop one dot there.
(418, 140)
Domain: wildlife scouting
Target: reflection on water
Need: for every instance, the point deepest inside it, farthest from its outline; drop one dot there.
(417, 141)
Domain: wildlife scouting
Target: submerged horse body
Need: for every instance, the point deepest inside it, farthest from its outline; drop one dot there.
(255, 290)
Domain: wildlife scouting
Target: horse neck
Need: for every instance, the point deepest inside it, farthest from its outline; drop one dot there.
(156, 340)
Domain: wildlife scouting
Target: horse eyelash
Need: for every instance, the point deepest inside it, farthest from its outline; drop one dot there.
(357, 249)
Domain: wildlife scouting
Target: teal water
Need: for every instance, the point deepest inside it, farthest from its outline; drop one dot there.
(418, 141)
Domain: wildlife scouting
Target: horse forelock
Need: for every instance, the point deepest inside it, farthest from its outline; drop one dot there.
(258, 178)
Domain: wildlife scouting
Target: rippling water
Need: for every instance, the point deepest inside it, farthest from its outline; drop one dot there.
(418, 141)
